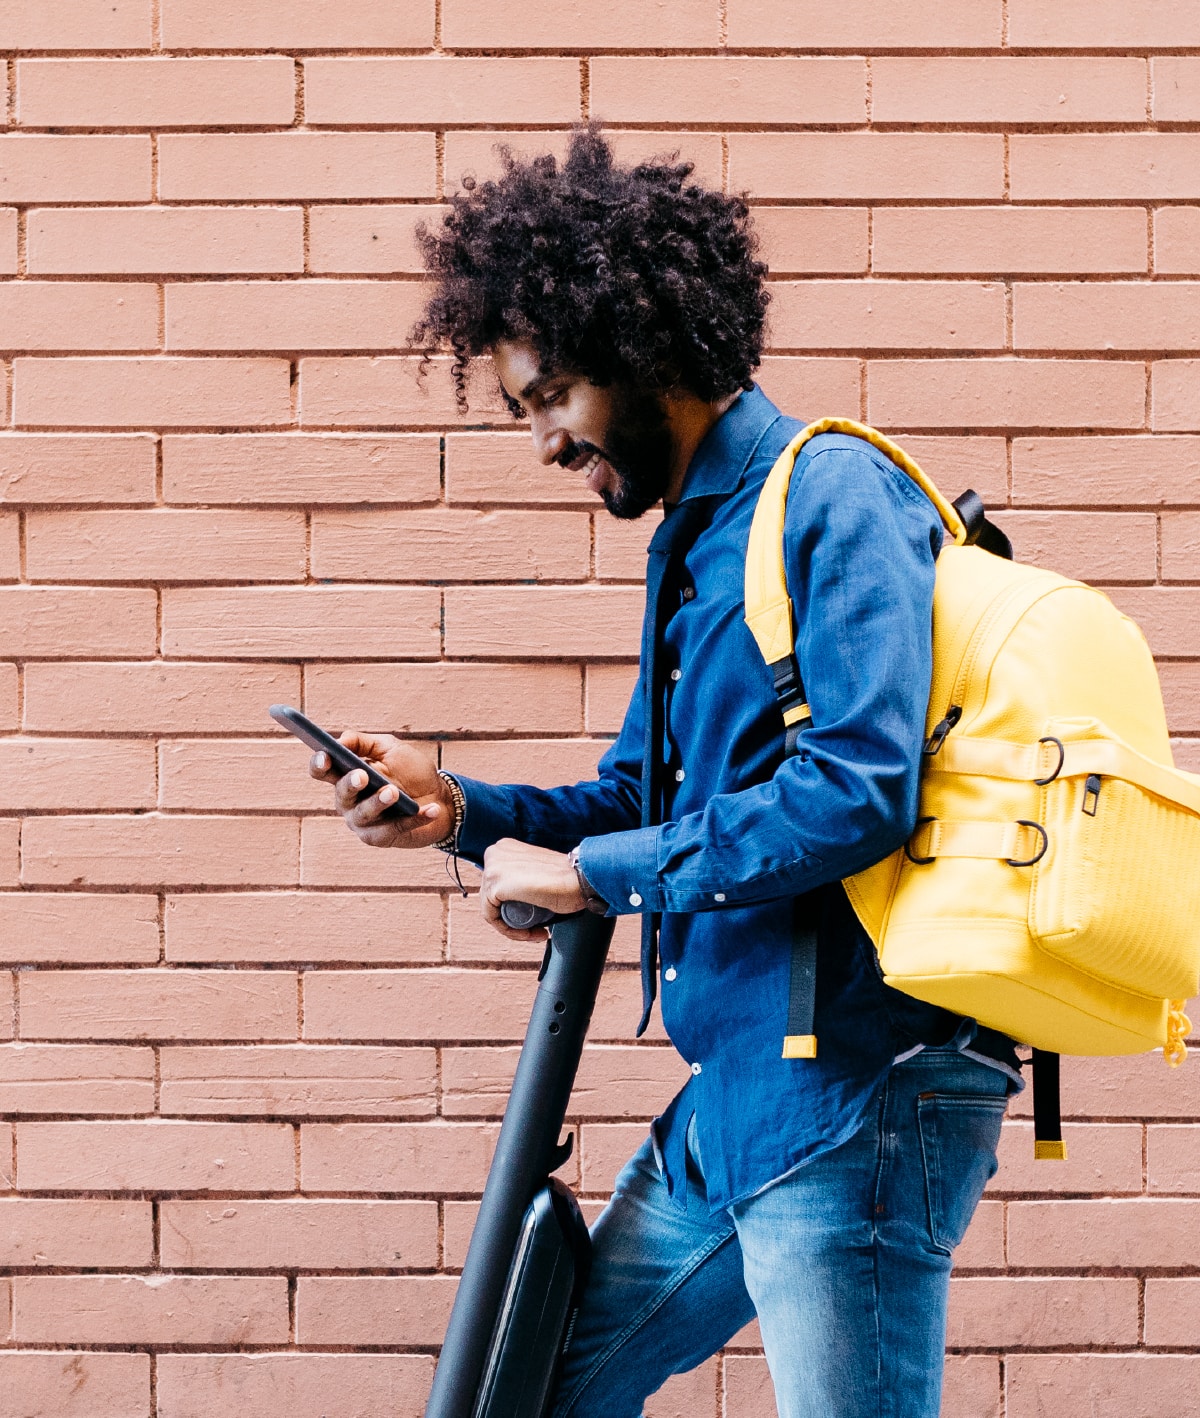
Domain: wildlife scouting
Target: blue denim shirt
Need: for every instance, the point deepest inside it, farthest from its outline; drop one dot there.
(745, 831)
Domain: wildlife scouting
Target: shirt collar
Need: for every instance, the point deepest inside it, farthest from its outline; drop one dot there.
(720, 462)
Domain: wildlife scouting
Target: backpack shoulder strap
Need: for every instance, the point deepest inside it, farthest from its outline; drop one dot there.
(768, 604)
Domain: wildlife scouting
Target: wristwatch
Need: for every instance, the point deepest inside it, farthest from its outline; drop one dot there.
(592, 899)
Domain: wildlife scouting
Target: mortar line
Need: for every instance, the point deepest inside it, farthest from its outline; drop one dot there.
(585, 89)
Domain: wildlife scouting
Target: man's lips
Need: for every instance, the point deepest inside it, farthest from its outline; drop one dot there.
(594, 468)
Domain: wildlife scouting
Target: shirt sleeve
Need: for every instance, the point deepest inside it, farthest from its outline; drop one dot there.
(860, 546)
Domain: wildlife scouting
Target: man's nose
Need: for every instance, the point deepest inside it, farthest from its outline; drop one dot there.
(548, 440)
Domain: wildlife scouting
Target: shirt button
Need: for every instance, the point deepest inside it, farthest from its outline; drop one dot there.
(676, 675)
(680, 775)
(670, 972)
(719, 896)
(696, 1068)
(635, 899)
(689, 593)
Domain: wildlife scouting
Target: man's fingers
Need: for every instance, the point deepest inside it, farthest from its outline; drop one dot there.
(320, 767)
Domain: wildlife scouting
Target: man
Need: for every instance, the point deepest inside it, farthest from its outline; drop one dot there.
(624, 312)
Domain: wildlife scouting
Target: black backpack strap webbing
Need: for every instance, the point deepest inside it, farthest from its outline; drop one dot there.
(1048, 1144)
(800, 1042)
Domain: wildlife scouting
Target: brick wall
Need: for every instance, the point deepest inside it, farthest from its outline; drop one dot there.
(253, 1070)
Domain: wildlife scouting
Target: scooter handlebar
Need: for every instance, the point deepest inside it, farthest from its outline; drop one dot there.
(521, 916)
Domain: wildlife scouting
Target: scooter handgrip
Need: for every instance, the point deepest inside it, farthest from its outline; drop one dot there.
(521, 916)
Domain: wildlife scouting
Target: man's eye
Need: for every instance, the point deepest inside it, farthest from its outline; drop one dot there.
(556, 396)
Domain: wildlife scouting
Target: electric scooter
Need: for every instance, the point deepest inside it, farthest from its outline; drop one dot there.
(529, 1255)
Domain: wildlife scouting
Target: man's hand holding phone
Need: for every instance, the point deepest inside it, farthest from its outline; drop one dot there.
(368, 817)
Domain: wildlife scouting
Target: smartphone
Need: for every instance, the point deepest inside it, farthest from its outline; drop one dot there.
(342, 759)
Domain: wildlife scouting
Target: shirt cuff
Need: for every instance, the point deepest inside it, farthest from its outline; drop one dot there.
(487, 816)
(623, 868)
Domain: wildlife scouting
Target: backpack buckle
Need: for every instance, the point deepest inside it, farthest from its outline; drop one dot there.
(934, 742)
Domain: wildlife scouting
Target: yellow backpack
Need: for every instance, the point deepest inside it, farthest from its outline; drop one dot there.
(1051, 888)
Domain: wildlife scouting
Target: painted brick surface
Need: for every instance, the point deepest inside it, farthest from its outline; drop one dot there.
(240, 1054)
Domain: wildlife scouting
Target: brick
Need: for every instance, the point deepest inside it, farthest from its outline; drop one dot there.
(1186, 754)
(867, 165)
(44, 167)
(76, 24)
(1101, 1157)
(1176, 87)
(812, 240)
(993, 393)
(41, 620)
(303, 927)
(1172, 1312)
(1181, 692)
(261, 774)
(749, 1392)
(1115, 315)
(1180, 546)
(1100, 1385)
(350, 391)
(886, 315)
(163, 545)
(8, 241)
(1168, 615)
(1102, 24)
(158, 93)
(472, 940)
(859, 24)
(9, 851)
(447, 698)
(68, 1078)
(1144, 471)
(66, 241)
(478, 152)
(171, 393)
(451, 545)
(82, 315)
(394, 1310)
(302, 1385)
(522, 621)
(331, 855)
(690, 1395)
(1175, 395)
(159, 851)
(1132, 1234)
(546, 763)
(1008, 90)
(62, 1384)
(155, 698)
(543, 24)
(1042, 1312)
(8, 697)
(372, 239)
(156, 1156)
(1177, 241)
(615, 1080)
(300, 468)
(728, 89)
(292, 315)
(66, 927)
(1094, 547)
(1106, 167)
(316, 622)
(503, 467)
(6, 1157)
(609, 689)
(289, 166)
(1172, 1159)
(7, 1006)
(436, 90)
(982, 1248)
(303, 1081)
(1136, 1086)
(35, 1232)
(621, 546)
(984, 240)
(70, 467)
(158, 1004)
(299, 24)
(417, 1004)
(395, 1157)
(139, 1309)
(971, 1386)
(10, 546)
(305, 1235)
(819, 386)
(604, 1148)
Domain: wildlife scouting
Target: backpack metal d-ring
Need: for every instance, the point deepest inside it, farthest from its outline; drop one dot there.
(1040, 853)
(918, 861)
(1062, 758)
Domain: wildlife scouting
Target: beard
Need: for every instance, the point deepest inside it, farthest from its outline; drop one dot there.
(638, 447)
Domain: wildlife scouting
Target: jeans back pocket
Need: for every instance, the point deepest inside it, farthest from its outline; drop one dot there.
(959, 1136)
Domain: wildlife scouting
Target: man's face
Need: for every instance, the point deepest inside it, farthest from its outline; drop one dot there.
(617, 438)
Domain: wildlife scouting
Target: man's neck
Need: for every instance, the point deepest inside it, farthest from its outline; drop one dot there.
(690, 419)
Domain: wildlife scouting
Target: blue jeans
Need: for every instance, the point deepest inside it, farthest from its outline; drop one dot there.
(845, 1261)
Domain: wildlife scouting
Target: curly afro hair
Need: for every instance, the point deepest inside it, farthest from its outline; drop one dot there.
(624, 275)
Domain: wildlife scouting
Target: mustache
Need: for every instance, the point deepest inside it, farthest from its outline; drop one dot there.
(573, 451)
